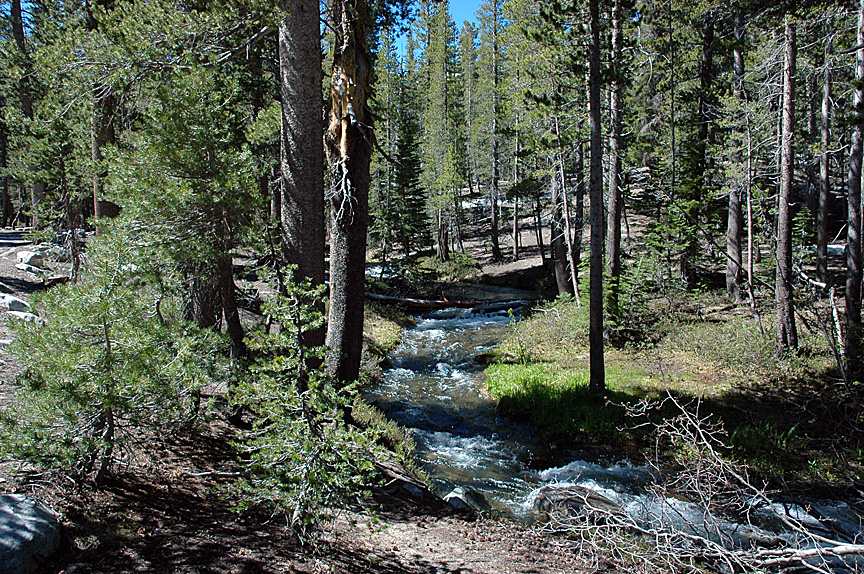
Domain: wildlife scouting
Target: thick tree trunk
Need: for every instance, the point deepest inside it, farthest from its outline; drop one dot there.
(302, 148)
(25, 96)
(853, 229)
(350, 151)
(203, 298)
(595, 337)
(824, 203)
(734, 223)
(613, 216)
(787, 333)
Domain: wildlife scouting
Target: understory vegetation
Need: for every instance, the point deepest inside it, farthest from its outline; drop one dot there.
(698, 348)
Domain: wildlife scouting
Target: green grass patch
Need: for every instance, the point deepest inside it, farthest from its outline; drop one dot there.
(558, 402)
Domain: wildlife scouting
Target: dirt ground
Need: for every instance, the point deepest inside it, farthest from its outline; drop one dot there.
(168, 510)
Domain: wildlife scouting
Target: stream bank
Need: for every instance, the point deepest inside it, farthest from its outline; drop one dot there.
(435, 388)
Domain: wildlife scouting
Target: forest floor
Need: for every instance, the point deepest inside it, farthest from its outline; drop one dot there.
(169, 509)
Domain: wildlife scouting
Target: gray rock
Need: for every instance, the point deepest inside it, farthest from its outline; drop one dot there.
(23, 316)
(12, 303)
(30, 534)
(33, 258)
(31, 269)
(572, 500)
(463, 499)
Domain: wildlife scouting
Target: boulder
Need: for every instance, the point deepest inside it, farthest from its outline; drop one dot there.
(573, 500)
(466, 500)
(30, 534)
(34, 258)
(12, 303)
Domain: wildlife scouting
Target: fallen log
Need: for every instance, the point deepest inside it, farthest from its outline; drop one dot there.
(421, 305)
(427, 305)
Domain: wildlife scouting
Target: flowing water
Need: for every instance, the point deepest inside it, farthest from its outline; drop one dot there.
(434, 387)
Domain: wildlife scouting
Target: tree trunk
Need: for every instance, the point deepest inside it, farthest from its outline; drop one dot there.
(613, 218)
(516, 197)
(101, 128)
(734, 217)
(302, 148)
(853, 229)
(568, 227)
(538, 229)
(579, 216)
(442, 239)
(598, 374)
(228, 298)
(556, 244)
(202, 303)
(6, 213)
(496, 248)
(349, 151)
(25, 95)
(459, 215)
(824, 203)
(787, 334)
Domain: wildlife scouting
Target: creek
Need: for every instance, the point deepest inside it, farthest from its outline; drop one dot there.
(434, 387)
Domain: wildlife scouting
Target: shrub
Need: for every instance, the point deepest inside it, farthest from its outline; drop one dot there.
(106, 364)
(304, 458)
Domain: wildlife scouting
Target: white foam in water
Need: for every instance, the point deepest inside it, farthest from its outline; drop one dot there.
(625, 473)
(463, 452)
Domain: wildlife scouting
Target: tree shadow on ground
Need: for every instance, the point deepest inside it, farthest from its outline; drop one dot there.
(179, 518)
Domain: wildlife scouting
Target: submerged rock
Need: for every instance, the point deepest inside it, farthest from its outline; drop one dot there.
(30, 534)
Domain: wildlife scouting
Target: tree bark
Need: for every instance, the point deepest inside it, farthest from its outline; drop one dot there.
(579, 216)
(302, 147)
(556, 243)
(824, 203)
(228, 298)
(613, 216)
(442, 240)
(202, 303)
(568, 227)
(538, 229)
(853, 228)
(349, 150)
(102, 127)
(516, 197)
(496, 247)
(25, 95)
(6, 213)
(734, 223)
(787, 333)
(595, 337)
